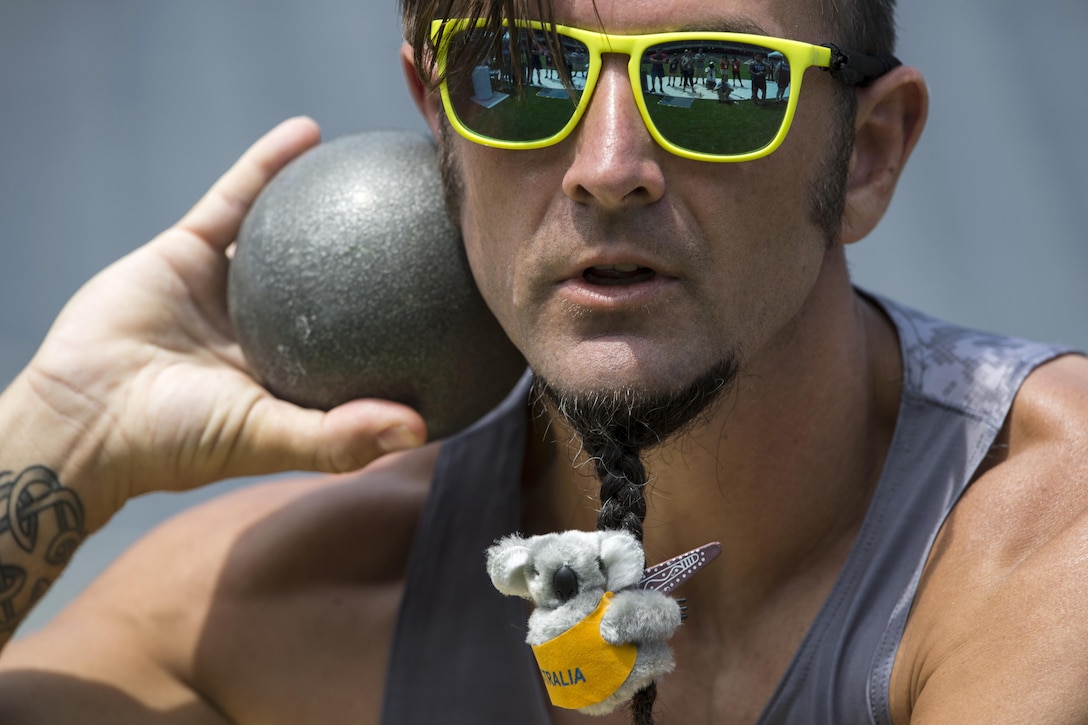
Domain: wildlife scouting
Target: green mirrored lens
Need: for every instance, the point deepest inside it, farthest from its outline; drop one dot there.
(530, 100)
(716, 97)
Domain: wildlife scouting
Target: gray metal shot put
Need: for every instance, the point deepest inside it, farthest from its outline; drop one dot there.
(350, 281)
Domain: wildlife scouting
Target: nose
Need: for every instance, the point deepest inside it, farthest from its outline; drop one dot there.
(616, 159)
(566, 583)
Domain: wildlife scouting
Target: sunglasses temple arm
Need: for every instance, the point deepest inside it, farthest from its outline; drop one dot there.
(858, 69)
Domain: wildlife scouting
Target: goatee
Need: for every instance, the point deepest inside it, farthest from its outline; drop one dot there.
(617, 426)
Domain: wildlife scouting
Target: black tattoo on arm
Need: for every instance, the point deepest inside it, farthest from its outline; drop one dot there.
(41, 525)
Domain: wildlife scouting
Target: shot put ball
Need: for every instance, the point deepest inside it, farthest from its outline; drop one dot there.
(350, 281)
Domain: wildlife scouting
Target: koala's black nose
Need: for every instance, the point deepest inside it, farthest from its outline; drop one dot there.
(566, 583)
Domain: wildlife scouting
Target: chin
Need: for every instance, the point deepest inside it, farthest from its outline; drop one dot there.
(622, 365)
(637, 413)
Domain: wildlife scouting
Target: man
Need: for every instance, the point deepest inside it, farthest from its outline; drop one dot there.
(734, 67)
(657, 71)
(687, 70)
(781, 79)
(757, 71)
(311, 601)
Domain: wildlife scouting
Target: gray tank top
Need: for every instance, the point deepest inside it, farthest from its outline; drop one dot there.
(459, 652)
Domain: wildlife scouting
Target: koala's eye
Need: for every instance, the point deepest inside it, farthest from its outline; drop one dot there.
(600, 565)
(532, 570)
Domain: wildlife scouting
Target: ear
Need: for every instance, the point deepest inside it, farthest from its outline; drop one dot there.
(623, 559)
(428, 101)
(507, 564)
(890, 117)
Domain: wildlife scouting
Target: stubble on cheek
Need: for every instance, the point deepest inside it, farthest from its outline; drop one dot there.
(487, 253)
(453, 174)
(827, 190)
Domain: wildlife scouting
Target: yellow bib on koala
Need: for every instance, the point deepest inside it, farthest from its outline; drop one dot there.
(579, 667)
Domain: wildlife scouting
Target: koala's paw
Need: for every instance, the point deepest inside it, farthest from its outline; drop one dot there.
(640, 616)
(654, 661)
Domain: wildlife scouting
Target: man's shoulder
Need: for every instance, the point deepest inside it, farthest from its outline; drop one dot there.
(1033, 489)
(1055, 396)
(1042, 448)
(1001, 615)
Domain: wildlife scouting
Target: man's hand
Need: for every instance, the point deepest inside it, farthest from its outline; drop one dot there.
(141, 386)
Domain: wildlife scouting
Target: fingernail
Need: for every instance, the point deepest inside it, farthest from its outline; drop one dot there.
(398, 438)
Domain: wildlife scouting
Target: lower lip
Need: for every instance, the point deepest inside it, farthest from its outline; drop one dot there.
(582, 293)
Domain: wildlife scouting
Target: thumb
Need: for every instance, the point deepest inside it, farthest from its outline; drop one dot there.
(219, 213)
(279, 436)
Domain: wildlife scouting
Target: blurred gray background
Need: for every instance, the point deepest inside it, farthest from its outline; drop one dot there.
(115, 116)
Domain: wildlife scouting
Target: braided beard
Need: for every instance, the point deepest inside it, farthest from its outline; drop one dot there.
(616, 428)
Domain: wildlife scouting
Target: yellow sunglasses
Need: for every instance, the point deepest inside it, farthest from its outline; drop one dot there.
(707, 96)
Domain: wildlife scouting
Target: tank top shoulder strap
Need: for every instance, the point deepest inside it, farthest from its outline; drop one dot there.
(958, 387)
(459, 652)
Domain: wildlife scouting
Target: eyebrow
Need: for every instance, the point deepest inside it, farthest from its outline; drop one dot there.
(725, 25)
(732, 24)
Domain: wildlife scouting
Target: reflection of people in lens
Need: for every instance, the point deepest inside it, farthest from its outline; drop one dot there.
(579, 64)
(535, 64)
(657, 70)
(734, 66)
(550, 66)
(687, 71)
(507, 67)
(781, 78)
(710, 80)
(725, 92)
(674, 69)
(757, 69)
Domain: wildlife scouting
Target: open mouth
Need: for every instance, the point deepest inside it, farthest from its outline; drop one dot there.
(617, 274)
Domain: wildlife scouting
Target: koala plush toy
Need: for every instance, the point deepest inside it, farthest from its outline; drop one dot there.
(597, 637)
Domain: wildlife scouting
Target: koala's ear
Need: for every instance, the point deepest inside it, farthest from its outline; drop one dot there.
(623, 559)
(507, 565)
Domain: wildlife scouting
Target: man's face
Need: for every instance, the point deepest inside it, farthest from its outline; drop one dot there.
(615, 265)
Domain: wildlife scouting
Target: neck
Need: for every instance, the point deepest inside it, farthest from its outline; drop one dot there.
(781, 473)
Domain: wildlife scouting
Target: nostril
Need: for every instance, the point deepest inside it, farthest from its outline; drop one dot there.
(566, 583)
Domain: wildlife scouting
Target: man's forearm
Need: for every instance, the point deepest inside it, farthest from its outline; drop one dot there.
(41, 525)
(43, 518)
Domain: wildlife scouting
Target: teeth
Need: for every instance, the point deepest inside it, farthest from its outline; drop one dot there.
(619, 267)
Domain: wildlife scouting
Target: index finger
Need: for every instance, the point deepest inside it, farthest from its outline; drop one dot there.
(219, 213)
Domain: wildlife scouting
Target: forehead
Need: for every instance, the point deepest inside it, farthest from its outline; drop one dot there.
(796, 19)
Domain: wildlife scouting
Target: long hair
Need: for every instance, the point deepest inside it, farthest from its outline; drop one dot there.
(417, 16)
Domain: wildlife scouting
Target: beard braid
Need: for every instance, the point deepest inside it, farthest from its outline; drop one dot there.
(616, 428)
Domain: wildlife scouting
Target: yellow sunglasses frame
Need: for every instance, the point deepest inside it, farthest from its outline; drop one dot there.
(800, 56)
